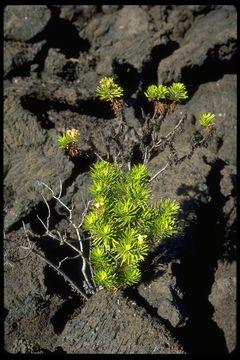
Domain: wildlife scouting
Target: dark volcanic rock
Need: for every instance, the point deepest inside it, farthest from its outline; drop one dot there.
(18, 56)
(24, 22)
(223, 297)
(111, 324)
(213, 38)
(220, 98)
(175, 20)
(26, 299)
(164, 295)
(127, 38)
(79, 14)
(30, 156)
(54, 57)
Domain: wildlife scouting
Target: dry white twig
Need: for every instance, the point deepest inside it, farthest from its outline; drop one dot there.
(62, 239)
(159, 172)
(51, 264)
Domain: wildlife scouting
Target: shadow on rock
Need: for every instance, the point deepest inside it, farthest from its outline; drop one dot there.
(198, 267)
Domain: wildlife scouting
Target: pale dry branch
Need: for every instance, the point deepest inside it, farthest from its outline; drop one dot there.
(41, 183)
(98, 156)
(159, 172)
(62, 239)
(67, 258)
(30, 249)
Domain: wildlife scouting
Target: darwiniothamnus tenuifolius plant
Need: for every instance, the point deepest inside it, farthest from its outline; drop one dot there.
(122, 223)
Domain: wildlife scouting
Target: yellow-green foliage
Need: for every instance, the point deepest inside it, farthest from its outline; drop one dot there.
(156, 93)
(108, 90)
(122, 224)
(206, 119)
(175, 92)
(69, 137)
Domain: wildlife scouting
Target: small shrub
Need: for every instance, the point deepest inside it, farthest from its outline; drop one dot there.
(122, 224)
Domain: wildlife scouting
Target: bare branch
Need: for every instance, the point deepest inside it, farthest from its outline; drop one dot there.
(84, 213)
(159, 172)
(27, 237)
(62, 239)
(59, 271)
(84, 261)
(170, 134)
(98, 156)
(55, 197)
(49, 213)
(67, 258)
(118, 154)
(60, 186)
(164, 140)
(51, 264)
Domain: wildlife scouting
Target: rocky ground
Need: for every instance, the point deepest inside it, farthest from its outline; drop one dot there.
(54, 57)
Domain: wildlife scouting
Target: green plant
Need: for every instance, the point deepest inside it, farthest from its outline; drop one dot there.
(206, 119)
(122, 224)
(67, 141)
(69, 137)
(109, 90)
(156, 93)
(173, 93)
(177, 92)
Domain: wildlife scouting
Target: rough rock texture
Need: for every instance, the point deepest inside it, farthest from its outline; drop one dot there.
(19, 56)
(163, 294)
(131, 28)
(221, 97)
(78, 14)
(202, 43)
(26, 286)
(115, 326)
(228, 189)
(54, 57)
(223, 297)
(24, 22)
(28, 150)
